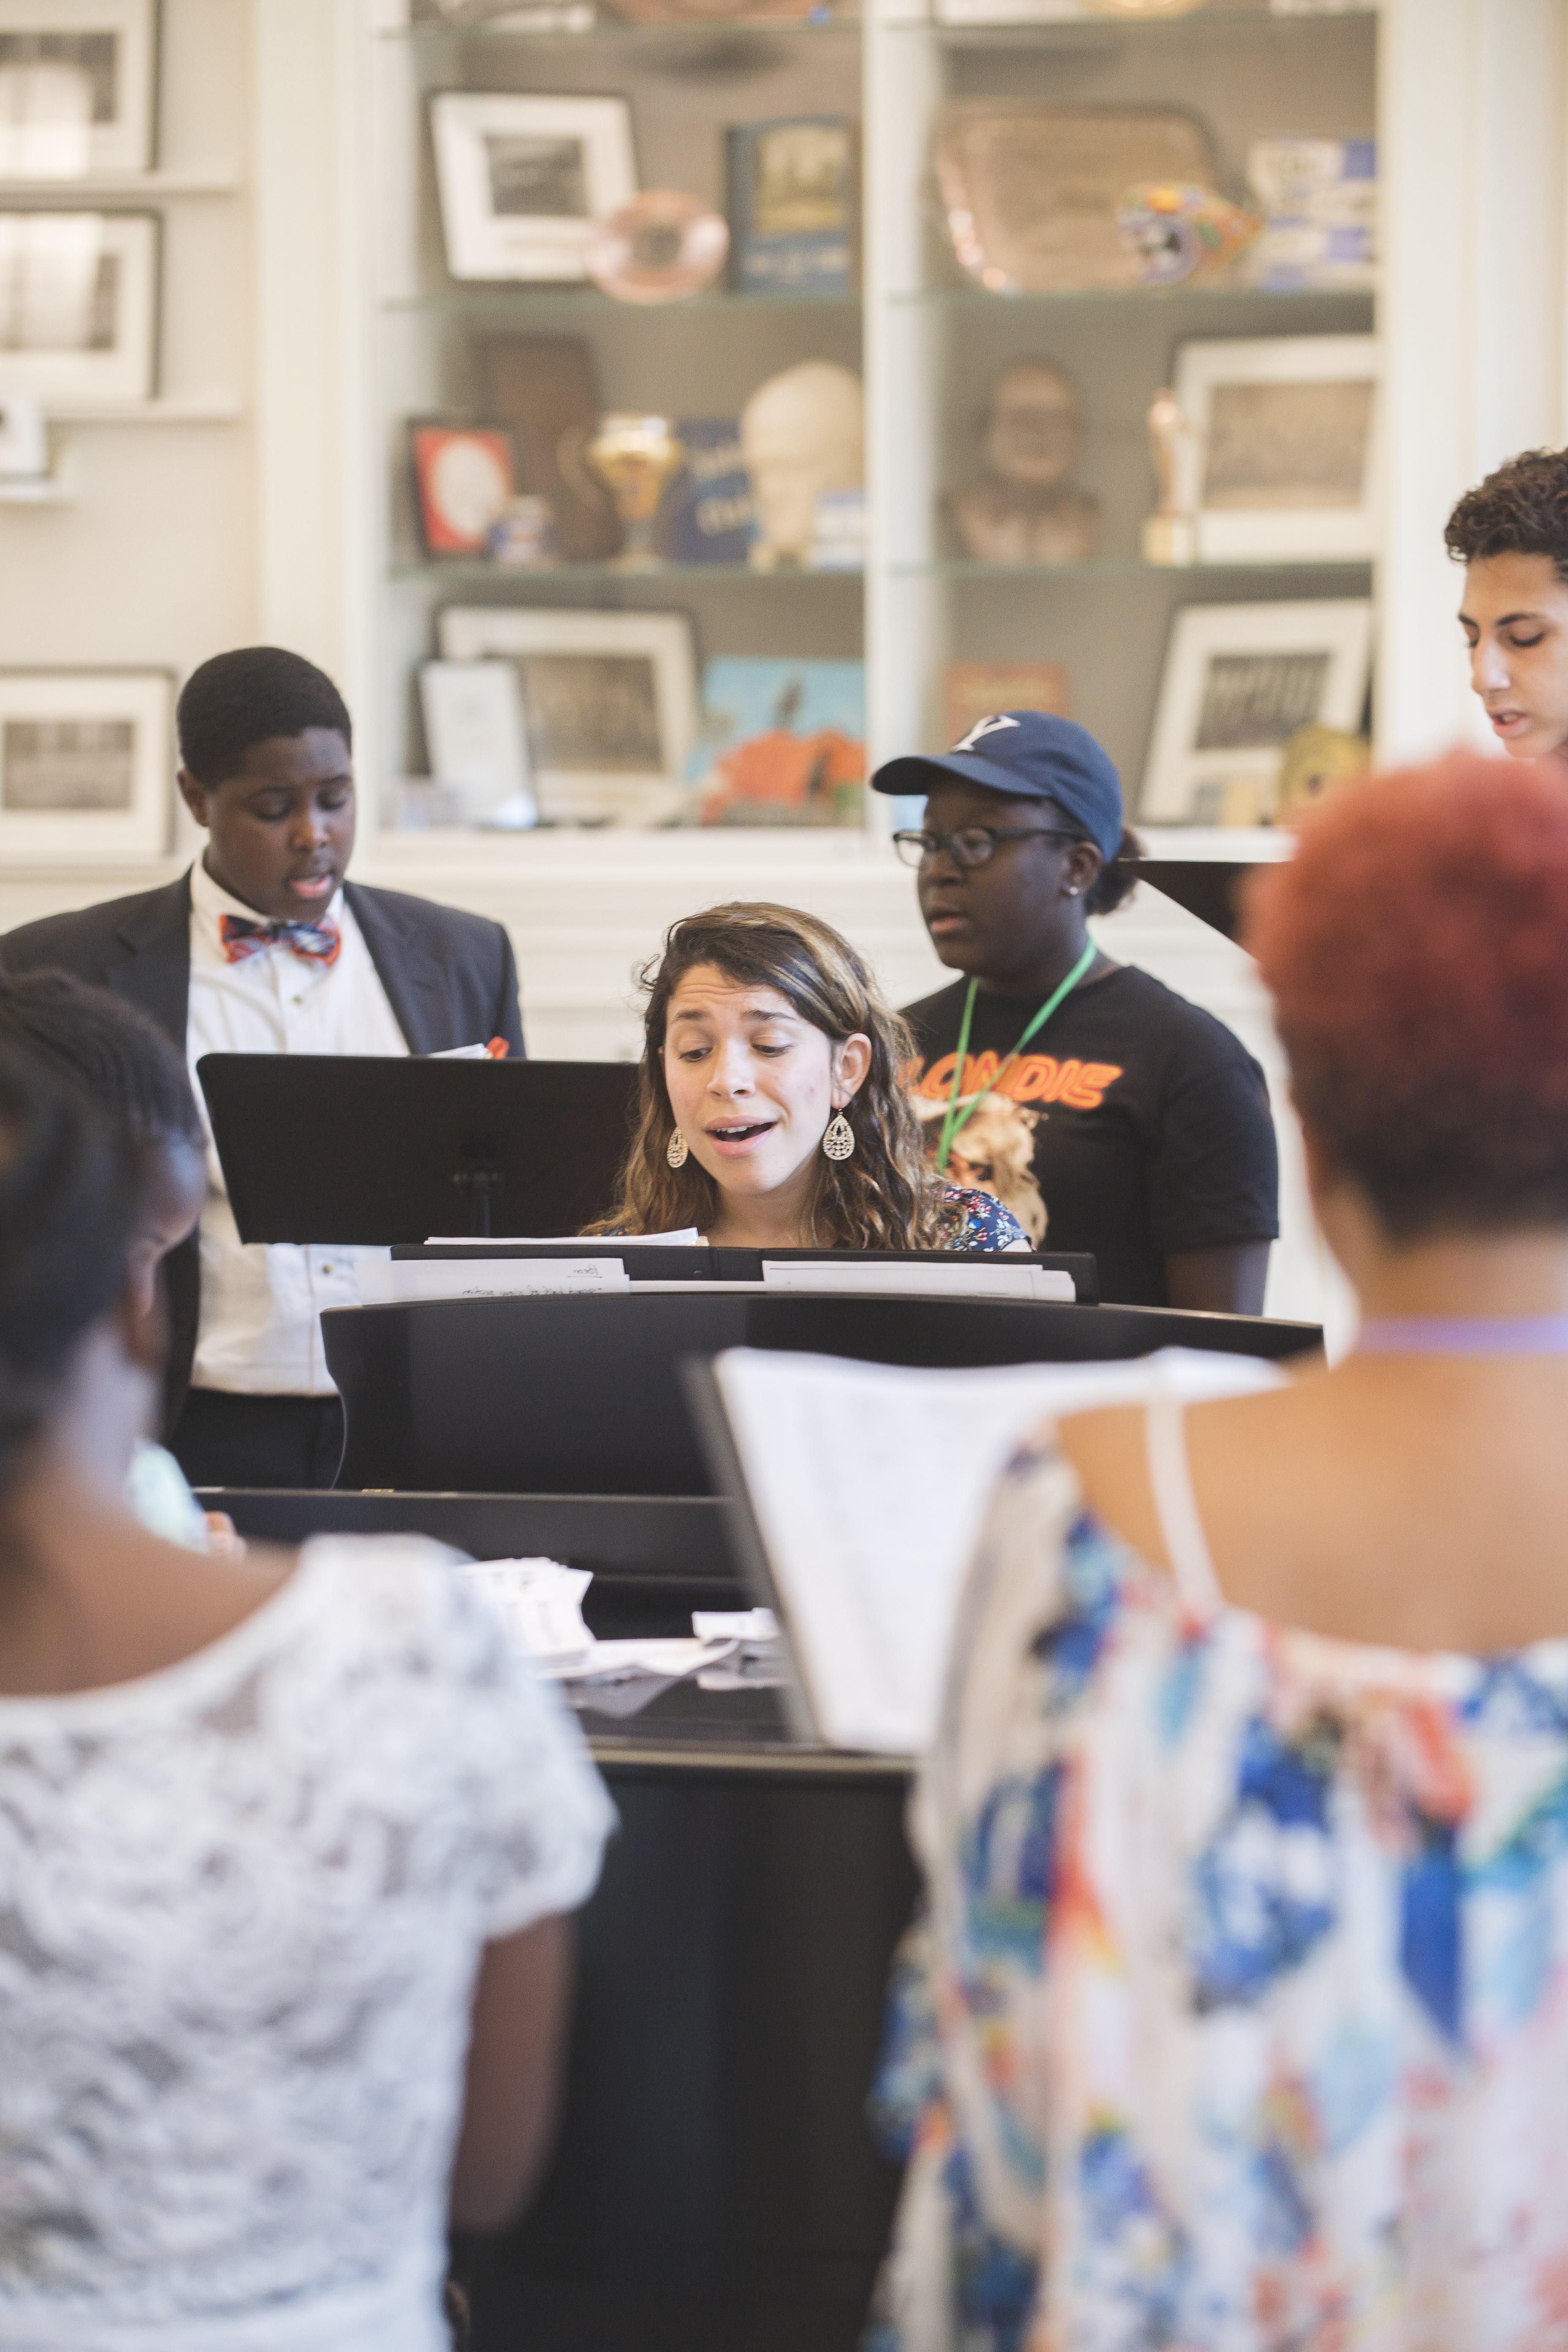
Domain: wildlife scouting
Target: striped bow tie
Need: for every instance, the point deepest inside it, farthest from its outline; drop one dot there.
(322, 942)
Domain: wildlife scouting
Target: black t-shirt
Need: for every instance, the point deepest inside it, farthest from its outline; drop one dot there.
(1154, 1130)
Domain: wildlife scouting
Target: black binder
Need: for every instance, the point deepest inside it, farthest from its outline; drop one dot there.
(350, 1148)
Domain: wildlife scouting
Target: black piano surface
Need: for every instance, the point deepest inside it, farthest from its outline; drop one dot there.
(714, 2188)
(527, 1394)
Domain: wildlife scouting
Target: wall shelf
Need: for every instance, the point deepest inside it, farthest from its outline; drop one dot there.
(702, 29)
(217, 411)
(508, 300)
(1127, 567)
(686, 575)
(1151, 298)
(1094, 34)
(63, 196)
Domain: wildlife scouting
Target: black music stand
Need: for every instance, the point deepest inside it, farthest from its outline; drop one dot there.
(368, 1149)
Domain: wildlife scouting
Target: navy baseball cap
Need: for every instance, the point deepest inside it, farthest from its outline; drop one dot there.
(1033, 755)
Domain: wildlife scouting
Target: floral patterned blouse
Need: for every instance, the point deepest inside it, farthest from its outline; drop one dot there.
(977, 1220)
(1238, 2021)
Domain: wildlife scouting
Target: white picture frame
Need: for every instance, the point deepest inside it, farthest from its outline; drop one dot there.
(85, 766)
(1238, 680)
(609, 701)
(1282, 460)
(79, 307)
(477, 739)
(115, 44)
(523, 179)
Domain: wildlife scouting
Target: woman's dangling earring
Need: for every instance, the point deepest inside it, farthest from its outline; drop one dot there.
(676, 1148)
(838, 1139)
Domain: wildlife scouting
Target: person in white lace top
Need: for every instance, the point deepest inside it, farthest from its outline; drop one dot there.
(282, 1841)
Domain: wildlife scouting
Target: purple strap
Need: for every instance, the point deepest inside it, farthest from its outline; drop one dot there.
(1464, 1334)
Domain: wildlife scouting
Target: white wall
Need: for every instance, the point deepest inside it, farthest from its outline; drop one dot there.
(154, 561)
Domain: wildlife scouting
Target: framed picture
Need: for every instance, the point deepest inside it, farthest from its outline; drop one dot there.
(463, 478)
(477, 745)
(609, 702)
(1281, 459)
(1239, 680)
(79, 307)
(523, 179)
(784, 743)
(79, 83)
(85, 765)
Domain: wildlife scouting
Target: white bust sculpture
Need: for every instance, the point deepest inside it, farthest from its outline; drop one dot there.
(803, 432)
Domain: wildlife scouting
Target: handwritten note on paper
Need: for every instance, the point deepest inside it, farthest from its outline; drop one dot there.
(868, 1482)
(506, 1277)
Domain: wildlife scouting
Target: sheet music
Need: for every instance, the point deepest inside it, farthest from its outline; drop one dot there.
(401, 1279)
(867, 1484)
(474, 1244)
(964, 1277)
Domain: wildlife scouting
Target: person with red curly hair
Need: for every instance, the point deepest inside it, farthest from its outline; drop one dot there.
(1511, 535)
(1240, 2015)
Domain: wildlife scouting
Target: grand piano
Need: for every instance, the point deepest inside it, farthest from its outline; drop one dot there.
(715, 2188)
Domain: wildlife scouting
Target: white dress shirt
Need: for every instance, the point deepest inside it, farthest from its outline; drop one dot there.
(261, 1303)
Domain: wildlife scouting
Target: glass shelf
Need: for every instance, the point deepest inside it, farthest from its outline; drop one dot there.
(1093, 32)
(686, 28)
(976, 297)
(545, 575)
(1123, 567)
(576, 296)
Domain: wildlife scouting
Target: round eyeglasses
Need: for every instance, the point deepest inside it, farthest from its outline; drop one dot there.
(972, 844)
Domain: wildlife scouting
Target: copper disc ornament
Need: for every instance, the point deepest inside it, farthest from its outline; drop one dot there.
(664, 246)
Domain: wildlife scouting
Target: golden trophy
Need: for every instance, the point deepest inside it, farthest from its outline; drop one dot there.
(636, 458)
(1170, 534)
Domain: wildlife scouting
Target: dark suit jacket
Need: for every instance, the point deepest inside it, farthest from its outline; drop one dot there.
(449, 977)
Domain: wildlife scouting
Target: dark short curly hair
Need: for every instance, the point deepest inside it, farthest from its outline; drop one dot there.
(1415, 949)
(241, 698)
(1522, 509)
(114, 1050)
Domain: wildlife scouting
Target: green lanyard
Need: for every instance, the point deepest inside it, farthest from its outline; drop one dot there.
(955, 1118)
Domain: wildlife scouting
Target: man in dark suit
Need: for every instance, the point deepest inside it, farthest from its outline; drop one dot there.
(262, 947)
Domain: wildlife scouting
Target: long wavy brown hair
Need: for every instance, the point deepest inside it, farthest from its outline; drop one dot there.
(885, 1195)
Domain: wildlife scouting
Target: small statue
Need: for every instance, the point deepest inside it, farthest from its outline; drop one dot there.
(1170, 534)
(1024, 509)
(803, 434)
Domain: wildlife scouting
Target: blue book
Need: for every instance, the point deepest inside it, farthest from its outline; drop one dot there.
(793, 204)
(707, 515)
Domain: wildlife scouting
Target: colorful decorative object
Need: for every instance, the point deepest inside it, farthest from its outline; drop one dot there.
(664, 246)
(1181, 232)
(783, 743)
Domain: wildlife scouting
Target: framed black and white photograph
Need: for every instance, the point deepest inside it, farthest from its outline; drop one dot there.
(1281, 458)
(78, 87)
(79, 307)
(1239, 679)
(609, 703)
(86, 770)
(523, 179)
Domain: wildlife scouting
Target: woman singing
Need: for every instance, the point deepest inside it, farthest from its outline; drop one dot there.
(773, 1116)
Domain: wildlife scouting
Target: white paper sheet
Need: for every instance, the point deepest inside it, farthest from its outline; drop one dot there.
(508, 1277)
(688, 1238)
(868, 1483)
(541, 1602)
(965, 1277)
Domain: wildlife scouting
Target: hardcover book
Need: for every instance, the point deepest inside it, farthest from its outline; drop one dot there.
(707, 516)
(793, 205)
